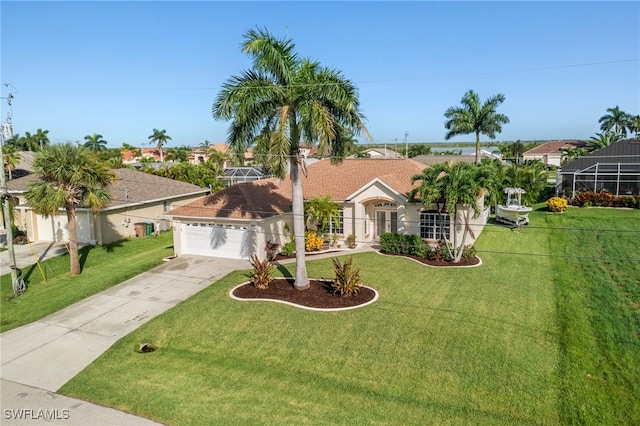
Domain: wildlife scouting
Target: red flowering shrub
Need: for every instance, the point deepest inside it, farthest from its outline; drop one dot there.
(605, 199)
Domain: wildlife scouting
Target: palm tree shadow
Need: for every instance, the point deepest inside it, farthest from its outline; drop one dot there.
(83, 253)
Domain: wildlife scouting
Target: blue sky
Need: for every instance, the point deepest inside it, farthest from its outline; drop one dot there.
(121, 69)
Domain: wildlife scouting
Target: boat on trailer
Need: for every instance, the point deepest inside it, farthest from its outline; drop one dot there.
(513, 212)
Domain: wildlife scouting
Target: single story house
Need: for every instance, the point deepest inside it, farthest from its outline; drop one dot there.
(237, 221)
(614, 169)
(136, 197)
(551, 153)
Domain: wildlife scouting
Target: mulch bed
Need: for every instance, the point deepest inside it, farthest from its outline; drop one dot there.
(463, 262)
(318, 295)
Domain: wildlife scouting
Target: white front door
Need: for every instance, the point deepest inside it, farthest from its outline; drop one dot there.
(386, 221)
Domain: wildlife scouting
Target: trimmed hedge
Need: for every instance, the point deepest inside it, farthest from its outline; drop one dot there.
(605, 199)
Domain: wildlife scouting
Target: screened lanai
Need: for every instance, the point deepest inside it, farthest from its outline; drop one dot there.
(614, 169)
(615, 178)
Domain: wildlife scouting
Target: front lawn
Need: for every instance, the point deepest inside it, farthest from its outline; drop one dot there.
(102, 267)
(472, 345)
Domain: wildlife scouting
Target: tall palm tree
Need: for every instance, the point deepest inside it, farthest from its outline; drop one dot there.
(41, 138)
(458, 188)
(285, 98)
(615, 120)
(95, 142)
(602, 140)
(634, 125)
(69, 177)
(159, 138)
(474, 117)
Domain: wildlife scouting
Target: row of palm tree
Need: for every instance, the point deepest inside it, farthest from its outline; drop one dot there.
(618, 122)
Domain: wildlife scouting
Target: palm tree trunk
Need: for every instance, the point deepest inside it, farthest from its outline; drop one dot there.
(74, 266)
(464, 238)
(477, 147)
(302, 280)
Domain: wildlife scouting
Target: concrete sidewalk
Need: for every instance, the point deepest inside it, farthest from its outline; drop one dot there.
(48, 353)
(28, 254)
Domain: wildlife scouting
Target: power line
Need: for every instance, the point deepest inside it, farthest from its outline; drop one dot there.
(435, 77)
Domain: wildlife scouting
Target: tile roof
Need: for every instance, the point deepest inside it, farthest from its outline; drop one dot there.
(268, 197)
(130, 187)
(554, 147)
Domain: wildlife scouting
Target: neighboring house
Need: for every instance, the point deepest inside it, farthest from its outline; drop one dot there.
(237, 221)
(307, 150)
(137, 197)
(132, 157)
(202, 155)
(377, 153)
(614, 169)
(550, 153)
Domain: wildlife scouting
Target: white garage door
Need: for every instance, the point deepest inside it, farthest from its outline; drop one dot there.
(56, 228)
(205, 239)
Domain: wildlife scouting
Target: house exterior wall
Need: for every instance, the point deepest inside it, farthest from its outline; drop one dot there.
(551, 159)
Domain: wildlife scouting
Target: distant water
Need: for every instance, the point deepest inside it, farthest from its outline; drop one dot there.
(466, 150)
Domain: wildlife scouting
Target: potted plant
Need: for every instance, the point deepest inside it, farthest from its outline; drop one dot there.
(334, 241)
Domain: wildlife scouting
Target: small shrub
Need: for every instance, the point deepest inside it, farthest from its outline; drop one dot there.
(557, 204)
(424, 250)
(288, 248)
(389, 242)
(313, 242)
(262, 273)
(469, 252)
(347, 280)
(351, 241)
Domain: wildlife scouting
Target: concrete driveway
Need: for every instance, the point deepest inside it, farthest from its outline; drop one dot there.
(38, 358)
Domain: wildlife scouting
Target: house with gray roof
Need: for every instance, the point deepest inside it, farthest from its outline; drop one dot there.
(614, 169)
(137, 198)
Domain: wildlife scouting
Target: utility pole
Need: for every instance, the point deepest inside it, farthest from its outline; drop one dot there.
(406, 145)
(7, 133)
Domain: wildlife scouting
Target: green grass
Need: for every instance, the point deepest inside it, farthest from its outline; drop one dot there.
(102, 267)
(441, 346)
(598, 314)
